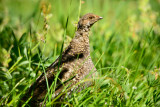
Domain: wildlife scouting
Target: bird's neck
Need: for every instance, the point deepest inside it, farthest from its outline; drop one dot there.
(82, 35)
(85, 28)
(83, 31)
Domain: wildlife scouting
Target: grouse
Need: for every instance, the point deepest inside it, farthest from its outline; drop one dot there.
(73, 65)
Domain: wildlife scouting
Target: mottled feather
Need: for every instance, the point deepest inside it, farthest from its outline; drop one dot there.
(75, 64)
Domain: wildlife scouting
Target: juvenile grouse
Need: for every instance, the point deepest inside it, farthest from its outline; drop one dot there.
(73, 65)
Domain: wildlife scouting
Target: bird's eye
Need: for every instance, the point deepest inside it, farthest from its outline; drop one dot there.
(90, 17)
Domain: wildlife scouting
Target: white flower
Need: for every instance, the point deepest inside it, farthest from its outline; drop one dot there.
(134, 87)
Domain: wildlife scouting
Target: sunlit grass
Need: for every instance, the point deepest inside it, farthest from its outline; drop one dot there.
(125, 49)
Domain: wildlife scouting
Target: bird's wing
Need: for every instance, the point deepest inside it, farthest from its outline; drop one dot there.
(39, 87)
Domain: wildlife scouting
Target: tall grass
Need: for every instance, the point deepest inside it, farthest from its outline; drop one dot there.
(125, 48)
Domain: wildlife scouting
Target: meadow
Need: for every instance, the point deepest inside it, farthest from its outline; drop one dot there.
(125, 48)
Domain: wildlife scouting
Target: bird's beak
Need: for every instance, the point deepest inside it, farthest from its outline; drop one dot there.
(100, 18)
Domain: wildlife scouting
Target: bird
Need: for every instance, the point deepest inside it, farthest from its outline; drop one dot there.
(72, 66)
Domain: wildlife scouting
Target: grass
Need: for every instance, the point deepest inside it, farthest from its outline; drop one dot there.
(125, 48)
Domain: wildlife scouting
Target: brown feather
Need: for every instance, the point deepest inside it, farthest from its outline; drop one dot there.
(76, 63)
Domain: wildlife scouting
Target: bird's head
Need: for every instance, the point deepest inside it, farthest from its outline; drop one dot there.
(88, 20)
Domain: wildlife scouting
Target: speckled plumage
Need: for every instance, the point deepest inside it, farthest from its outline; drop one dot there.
(74, 65)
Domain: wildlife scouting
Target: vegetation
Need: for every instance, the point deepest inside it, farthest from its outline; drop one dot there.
(125, 47)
